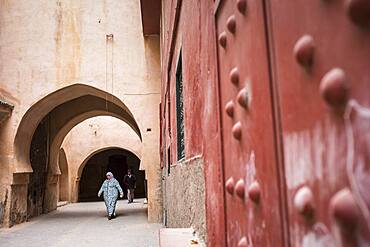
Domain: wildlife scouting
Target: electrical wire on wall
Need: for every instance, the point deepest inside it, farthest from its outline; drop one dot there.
(109, 62)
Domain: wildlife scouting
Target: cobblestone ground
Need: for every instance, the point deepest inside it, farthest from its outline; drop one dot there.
(85, 224)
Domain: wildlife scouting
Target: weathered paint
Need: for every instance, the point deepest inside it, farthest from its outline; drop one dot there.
(317, 120)
(202, 129)
(249, 154)
(323, 108)
(49, 45)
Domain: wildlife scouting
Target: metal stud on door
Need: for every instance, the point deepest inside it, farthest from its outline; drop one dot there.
(252, 191)
(321, 73)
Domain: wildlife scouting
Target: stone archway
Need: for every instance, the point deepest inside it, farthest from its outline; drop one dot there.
(69, 97)
(114, 159)
(44, 127)
(98, 133)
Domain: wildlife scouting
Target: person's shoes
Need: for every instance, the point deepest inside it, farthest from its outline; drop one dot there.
(109, 217)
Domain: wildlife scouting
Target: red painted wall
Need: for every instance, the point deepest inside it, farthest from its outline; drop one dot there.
(308, 120)
(190, 27)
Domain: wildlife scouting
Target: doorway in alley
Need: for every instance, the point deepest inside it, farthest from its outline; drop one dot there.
(39, 157)
(115, 160)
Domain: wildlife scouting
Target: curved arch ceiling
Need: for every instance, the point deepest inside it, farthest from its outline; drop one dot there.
(65, 108)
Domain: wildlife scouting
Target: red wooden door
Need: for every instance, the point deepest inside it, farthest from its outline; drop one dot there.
(321, 72)
(253, 210)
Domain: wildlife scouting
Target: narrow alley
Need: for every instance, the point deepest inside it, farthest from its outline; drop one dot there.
(85, 225)
(220, 123)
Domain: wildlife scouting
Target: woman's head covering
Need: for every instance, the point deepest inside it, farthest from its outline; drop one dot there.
(109, 174)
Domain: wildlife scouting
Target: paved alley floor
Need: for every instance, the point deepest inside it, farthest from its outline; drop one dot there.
(85, 224)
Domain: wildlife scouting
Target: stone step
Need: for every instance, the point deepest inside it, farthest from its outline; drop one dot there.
(62, 203)
(178, 237)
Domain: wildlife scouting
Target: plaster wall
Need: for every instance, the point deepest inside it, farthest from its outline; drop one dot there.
(47, 45)
(184, 200)
(91, 136)
(63, 187)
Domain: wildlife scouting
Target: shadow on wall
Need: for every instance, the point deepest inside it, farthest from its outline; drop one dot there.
(39, 160)
(115, 160)
(64, 176)
(39, 138)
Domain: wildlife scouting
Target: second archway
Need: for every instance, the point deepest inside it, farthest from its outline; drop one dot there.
(116, 160)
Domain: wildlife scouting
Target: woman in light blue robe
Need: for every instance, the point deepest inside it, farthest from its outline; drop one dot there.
(110, 189)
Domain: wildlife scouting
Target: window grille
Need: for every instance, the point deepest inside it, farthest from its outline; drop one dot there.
(180, 111)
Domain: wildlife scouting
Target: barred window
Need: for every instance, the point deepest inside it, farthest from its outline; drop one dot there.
(180, 111)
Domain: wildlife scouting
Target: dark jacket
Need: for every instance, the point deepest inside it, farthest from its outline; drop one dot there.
(130, 181)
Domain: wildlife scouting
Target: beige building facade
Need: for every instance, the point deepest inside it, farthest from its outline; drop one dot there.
(63, 63)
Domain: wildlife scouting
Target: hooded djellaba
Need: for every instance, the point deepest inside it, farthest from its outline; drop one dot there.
(110, 189)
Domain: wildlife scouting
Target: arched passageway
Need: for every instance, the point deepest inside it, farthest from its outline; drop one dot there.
(115, 160)
(43, 129)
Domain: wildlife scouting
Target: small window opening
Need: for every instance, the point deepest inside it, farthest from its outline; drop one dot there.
(180, 110)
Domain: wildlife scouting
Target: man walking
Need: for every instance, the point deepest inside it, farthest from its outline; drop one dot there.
(130, 182)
